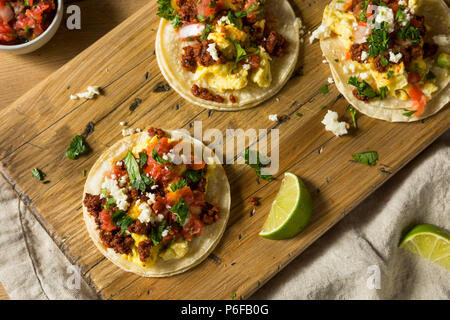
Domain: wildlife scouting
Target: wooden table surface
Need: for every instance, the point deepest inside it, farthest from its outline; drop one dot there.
(66, 44)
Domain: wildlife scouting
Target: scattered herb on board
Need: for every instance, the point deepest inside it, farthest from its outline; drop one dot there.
(119, 218)
(251, 155)
(77, 147)
(324, 89)
(353, 113)
(84, 172)
(368, 158)
(38, 174)
(298, 114)
(322, 107)
(233, 295)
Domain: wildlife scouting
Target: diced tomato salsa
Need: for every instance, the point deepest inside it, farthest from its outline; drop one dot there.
(24, 20)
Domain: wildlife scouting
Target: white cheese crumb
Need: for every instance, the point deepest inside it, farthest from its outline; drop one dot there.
(165, 233)
(384, 14)
(324, 61)
(91, 93)
(223, 21)
(364, 55)
(363, 75)
(246, 66)
(151, 197)
(138, 130)
(213, 51)
(330, 80)
(352, 67)
(395, 58)
(402, 3)
(127, 132)
(123, 123)
(273, 117)
(332, 124)
(120, 195)
(153, 187)
(146, 211)
(165, 157)
(321, 32)
(159, 218)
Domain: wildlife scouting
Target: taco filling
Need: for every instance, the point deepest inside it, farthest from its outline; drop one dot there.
(226, 44)
(149, 208)
(386, 50)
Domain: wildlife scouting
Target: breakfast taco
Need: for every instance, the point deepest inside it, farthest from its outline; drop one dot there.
(152, 211)
(389, 58)
(227, 54)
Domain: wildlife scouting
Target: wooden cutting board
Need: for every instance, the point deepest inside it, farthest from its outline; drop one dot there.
(38, 127)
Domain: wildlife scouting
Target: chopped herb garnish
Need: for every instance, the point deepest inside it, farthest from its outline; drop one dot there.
(138, 181)
(430, 75)
(181, 209)
(409, 32)
(258, 165)
(110, 203)
(143, 157)
(166, 11)
(77, 147)
(353, 113)
(180, 184)
(119, 218)
(38, 174)
(157, 157)
(383, 92)
(194, 175)
(384, 61)
(409, 113)
(241, 54)
(379, 41)
(156, 233)
(324, 89)
(206, 31)
(368, 158)
(363, 88)
(389, 74)
(336, 60)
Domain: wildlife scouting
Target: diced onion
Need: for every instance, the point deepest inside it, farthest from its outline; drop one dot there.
(191, 30)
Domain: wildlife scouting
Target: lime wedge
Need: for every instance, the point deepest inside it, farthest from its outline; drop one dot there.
(429, 242)
(290, 211)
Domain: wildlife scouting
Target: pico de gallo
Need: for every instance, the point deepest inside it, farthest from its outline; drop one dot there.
(149, 207)
(24, 20)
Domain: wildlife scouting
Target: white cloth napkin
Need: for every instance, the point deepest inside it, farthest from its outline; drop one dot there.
(357, 259)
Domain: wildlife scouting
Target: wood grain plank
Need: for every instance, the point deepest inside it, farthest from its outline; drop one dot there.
(3, 294)
(337, 184)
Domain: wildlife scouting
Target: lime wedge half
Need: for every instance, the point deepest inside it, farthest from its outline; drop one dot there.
(429, 242)
(290, 211)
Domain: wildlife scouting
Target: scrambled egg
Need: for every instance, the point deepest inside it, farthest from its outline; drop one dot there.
(221, 35)
(134, 211)
(263, 75)
(219, 77)
(340, 23)
(397, 80)
(177, 250)
(141, 146)
(134, 255)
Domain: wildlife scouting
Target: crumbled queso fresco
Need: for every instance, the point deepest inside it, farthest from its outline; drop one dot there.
(332, 124)
(91, 93)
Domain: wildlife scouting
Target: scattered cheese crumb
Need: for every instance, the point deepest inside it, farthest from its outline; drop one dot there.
(321, 32)
(213, 51)
(395, 58)
(91, 93)
(123, 123)
(332, 124)
(330, 80)
(364, 55)
(273, 117)
(127, 132)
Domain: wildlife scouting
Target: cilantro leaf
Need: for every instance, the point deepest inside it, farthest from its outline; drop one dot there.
(389, 74)
(363, 88)
(180, 184)
(353, 113)
(181, 209)
(143, 157)
(119, 218)
(156, 233)
(38, 174)
(368, 158)
(408, 113)
(138, 181)
(324, 89)
(77, 147)
(193, 175)
(157, 157)
(379, 41)
(241, 54)
(383, 92)
(258, 165)
(166, 11)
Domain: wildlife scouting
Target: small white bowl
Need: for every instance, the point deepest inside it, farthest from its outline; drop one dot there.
(42, 39)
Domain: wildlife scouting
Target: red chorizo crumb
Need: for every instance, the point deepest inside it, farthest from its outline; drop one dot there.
(204, 94)
(156, 132)
(233, 98)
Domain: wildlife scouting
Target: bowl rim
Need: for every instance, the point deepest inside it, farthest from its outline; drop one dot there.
(59, 11)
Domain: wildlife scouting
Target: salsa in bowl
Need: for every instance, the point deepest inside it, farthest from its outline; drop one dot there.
(26, 25)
